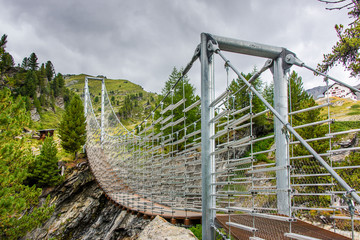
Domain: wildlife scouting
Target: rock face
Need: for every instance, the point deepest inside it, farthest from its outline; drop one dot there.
(160, 229)
(83, 212)
(35, 116)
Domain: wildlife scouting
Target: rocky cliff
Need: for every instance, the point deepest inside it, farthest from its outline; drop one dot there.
(83, 212)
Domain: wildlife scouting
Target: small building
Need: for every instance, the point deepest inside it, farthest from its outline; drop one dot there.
(337, 90)
(46, 132)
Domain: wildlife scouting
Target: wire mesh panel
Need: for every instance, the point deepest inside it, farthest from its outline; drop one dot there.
(155, 168)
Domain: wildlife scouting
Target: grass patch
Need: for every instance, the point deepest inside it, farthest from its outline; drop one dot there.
(50, 119)
(341, 107)
(355, 106)
(340, 126)
(352, 113)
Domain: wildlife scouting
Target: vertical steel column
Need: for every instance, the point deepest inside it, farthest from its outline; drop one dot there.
(86, 90)
(207, 144)
(102, 110)
(282, 160)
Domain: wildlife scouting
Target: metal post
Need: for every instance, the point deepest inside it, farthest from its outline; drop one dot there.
(282, 160)
(86, 90)
(102, 110)
(207, 144)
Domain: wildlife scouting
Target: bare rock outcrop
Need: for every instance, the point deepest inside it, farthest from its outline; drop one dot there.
(160, 229)
(83, 212)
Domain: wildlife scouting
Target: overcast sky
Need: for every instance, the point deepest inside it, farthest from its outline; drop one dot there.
(142, 40)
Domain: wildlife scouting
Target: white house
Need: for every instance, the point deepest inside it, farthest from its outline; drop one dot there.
(337, 90)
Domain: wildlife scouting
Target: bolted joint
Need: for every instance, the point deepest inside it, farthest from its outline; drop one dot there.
(293, 60)
(197, 51)
(267, 64)
(213, 46)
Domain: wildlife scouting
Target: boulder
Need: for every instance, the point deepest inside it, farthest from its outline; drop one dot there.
(35, 116)
(160, 229)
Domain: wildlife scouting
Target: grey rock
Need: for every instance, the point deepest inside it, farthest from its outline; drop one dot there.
(82, 211)
(160, 229)
(35, 116)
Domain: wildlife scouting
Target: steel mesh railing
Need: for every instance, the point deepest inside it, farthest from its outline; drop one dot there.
(156, 169)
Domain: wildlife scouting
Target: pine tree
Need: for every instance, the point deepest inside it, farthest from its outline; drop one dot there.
(3, 42)
(33, 62)
(45, 171)
(184, 89)
(16, 198)
(55, 87)
(60, 83)
(242, 99)
(298, 100)
(6, 62)
(72, 126)
(49, 70)
(37, 105)
(346, 50)
(29, 88)
(25, 63)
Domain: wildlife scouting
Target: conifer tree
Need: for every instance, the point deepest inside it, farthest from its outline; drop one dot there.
(60, 84)
(6, 62)
(184, 89)
(3, 42)
(346, 50)
(33, 62)
(45, 170)
(16, 198)
(49, 70)
(37, 105)
(72, 126)
(25, 63)
(242, 99)
(29, 88)
(55, 87)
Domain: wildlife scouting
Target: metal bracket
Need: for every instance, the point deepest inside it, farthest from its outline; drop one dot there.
(212, 46)
(289, 58)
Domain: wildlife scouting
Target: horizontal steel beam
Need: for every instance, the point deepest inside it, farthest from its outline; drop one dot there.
(248, 48)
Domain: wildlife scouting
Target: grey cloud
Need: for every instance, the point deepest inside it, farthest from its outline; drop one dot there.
(142, 40)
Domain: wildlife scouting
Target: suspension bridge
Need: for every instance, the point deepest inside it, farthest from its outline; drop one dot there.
(198, 160)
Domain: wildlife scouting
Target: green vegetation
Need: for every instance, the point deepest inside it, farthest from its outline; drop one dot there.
(16, 198)
(131, 103)
(346, 50)
(183, 90)
(45, 171)
(72, 129)
(21, 174)
(339, 126)
(197, 231)
(242, 99)
(6, 60)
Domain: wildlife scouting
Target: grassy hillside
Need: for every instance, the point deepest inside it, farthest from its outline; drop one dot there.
(117, 89)
(342, 109)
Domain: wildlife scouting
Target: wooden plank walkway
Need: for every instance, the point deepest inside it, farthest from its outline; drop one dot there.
(270, 229)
